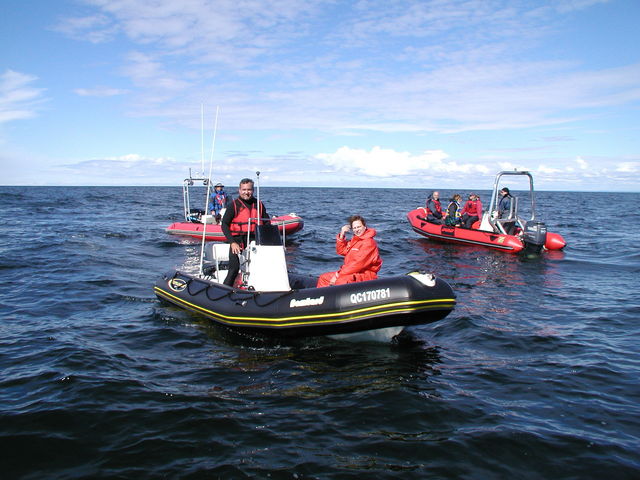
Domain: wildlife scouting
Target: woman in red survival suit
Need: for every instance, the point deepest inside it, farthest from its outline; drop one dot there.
(361, 257)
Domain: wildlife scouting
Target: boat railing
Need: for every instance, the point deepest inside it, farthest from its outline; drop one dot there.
(508, 224)
(186, 199)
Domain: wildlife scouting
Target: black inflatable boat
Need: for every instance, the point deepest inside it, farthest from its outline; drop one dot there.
(271, 301)
(386, 302)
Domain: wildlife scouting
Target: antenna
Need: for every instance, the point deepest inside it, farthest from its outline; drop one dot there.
(204, 226)
(259, 212)
(201, 140)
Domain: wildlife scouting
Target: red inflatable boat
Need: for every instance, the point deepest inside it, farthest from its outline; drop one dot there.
(195, 219)
(287, 224)
(499, 241)
(511, 233)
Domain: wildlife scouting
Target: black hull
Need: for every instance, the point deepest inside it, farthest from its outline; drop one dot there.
(355, 307)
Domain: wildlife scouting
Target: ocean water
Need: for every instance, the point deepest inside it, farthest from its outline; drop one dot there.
(535, 374)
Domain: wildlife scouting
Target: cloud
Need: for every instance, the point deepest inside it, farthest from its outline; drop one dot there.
(124, 166)
(100, 91)
(582, 164)
(397, 66)
(380, 162)
(628, 167)
(158, 83)
(96, 28)
(18, 99)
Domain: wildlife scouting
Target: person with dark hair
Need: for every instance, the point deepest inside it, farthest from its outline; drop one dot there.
(361, 257)
(434, 209)
(504, 205)
(453, 211)
(238, 221)
(472, 211)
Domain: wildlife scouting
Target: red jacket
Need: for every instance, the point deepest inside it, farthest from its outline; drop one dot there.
(242, 213)
(361, 258)
(473, 208)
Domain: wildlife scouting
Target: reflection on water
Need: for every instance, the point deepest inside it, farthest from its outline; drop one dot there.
(318, 366)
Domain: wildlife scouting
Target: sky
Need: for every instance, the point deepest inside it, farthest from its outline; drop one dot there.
(328, 93)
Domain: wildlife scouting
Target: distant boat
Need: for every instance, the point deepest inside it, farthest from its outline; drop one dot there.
(511, 234)
(196, 220)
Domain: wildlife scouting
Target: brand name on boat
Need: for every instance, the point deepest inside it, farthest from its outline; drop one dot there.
(370, 295)
(306, 302)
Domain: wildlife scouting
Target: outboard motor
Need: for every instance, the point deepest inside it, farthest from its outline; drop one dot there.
(535, 236)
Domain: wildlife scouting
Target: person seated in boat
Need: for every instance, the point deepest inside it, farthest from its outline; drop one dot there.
(471, 212)
(235, 224)
(361, 257)
(504, 205)
(219, 201)
(452, 217)
(434, 209)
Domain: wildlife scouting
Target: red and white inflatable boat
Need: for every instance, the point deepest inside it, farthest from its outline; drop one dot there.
(287, 224)
(510, 234)
(195, 220)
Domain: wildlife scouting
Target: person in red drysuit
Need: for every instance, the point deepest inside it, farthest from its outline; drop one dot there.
(434, 209)
(472, 211)
(361, 257)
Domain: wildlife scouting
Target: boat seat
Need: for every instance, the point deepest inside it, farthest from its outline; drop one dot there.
(216, 252)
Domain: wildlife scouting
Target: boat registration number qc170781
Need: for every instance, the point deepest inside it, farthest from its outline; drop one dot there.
(370, 295)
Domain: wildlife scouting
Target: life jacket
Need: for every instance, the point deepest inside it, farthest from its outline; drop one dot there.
(219, 201)
(457, 209)
(453, 218)
(437, 206)
(240, 223)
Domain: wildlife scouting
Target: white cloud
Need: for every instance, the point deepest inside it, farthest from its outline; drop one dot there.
(148, 72)
(380, 162)
(628, 167)
(582, 164)
(18, 99)
(548, 170)
(453, 66)
(100, 92)
(93, 28)
(564, 6)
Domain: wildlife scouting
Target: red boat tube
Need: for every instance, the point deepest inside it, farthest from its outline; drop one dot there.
(554, 241)
(287, 225)
(472, 236)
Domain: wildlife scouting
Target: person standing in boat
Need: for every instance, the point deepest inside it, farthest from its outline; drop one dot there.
(472, 211)
(361, 257)
(236, 224)
(434, 209)
(219, 201)
(453, 211)
(504, 205)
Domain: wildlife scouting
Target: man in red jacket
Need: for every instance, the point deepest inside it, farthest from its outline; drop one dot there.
(361, 257)
(236, 225)
(434, 209)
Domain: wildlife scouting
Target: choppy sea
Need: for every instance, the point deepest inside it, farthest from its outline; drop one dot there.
(534, 375)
